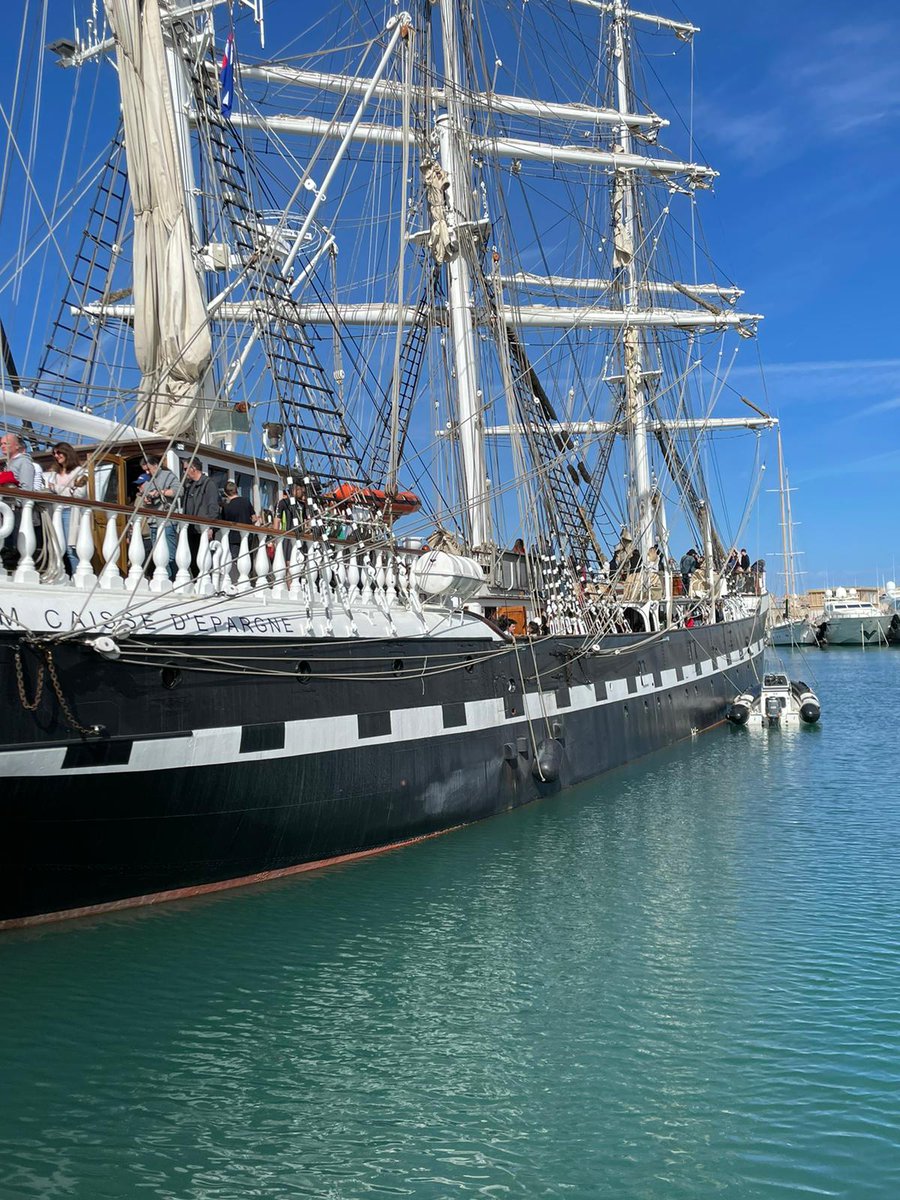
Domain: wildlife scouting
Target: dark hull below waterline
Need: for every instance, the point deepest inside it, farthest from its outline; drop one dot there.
(231, 777)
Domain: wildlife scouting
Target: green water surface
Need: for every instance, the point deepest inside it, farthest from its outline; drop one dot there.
(680, 981)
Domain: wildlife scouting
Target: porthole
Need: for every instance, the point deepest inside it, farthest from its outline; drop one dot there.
(171, 677)
(303, 672)
(397, 666)
(469, 666)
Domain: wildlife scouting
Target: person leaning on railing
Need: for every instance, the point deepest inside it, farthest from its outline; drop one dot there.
(199, 498)
(160, 493)
(236, 510)
(67, 477)
(25, 475)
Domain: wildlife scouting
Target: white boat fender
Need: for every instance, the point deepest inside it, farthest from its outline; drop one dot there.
(548, 761)
(739, 710)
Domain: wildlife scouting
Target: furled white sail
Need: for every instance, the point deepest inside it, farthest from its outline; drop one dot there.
(171, 334)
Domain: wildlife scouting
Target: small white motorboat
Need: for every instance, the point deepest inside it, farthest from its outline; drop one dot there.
(776, 703)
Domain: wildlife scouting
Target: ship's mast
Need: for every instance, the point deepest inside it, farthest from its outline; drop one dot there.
(626, 233)
(787, 533)
(454, 159)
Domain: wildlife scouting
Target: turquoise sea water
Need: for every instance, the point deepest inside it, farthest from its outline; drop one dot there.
(680, 981)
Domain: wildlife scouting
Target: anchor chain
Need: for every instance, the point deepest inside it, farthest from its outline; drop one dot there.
(64, 707)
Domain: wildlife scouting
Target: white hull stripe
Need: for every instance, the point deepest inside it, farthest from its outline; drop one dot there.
(320, 735)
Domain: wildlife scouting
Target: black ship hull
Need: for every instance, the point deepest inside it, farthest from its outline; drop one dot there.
(316, 751)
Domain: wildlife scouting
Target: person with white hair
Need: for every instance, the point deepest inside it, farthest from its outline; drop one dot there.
(18, 461)
(20, 464)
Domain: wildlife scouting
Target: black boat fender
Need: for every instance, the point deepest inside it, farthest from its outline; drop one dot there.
(810, 709)
(807, 702)
(548, 761)
(739, 711)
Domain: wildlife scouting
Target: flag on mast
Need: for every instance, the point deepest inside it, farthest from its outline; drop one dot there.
(226, 76)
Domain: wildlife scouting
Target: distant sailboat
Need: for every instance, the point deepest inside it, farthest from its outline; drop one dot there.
(791, 625)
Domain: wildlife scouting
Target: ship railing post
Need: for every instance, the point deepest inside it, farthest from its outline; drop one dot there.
(182, 558)
(223, 576)
(296, 570)
(379, 591)
(279, 570)
(136, 554)
(7, 525)
(26, 571)
(203, 585)
(84, 577)
(244, 564)
(365, 572)
(161, 581)
(342, 577)
(110, 576)
(309, 587)
(261, 567)
(390, 593)
(352, 576)
(324, 584)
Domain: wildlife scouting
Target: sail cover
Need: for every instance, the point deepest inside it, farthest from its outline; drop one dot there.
(171, 333)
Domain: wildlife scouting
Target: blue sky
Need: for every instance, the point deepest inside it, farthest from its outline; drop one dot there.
(798, 106)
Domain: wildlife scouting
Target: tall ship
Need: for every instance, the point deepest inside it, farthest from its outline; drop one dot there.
(346, 491)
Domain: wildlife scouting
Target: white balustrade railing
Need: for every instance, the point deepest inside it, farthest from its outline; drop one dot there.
(329, 581)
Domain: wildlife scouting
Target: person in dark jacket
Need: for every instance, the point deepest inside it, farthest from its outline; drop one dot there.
(687, 567)
(199, 498)
(237, 510)
(292, 512)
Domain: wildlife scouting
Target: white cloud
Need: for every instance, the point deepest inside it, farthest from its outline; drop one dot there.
(821, 90)
(844, 382)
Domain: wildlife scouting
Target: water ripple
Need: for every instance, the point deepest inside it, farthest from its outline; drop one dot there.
(679, 982)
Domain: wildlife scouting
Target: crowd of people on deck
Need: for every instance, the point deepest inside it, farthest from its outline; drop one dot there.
(157, 493)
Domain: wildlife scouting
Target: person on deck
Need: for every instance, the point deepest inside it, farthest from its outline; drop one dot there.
(688, 565)
(67, 478)
(20, 463)
(236, 510)
(293, 510)
(199, 499)
(160, 493)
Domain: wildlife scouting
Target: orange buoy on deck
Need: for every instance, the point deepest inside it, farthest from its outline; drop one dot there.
(400, 504)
